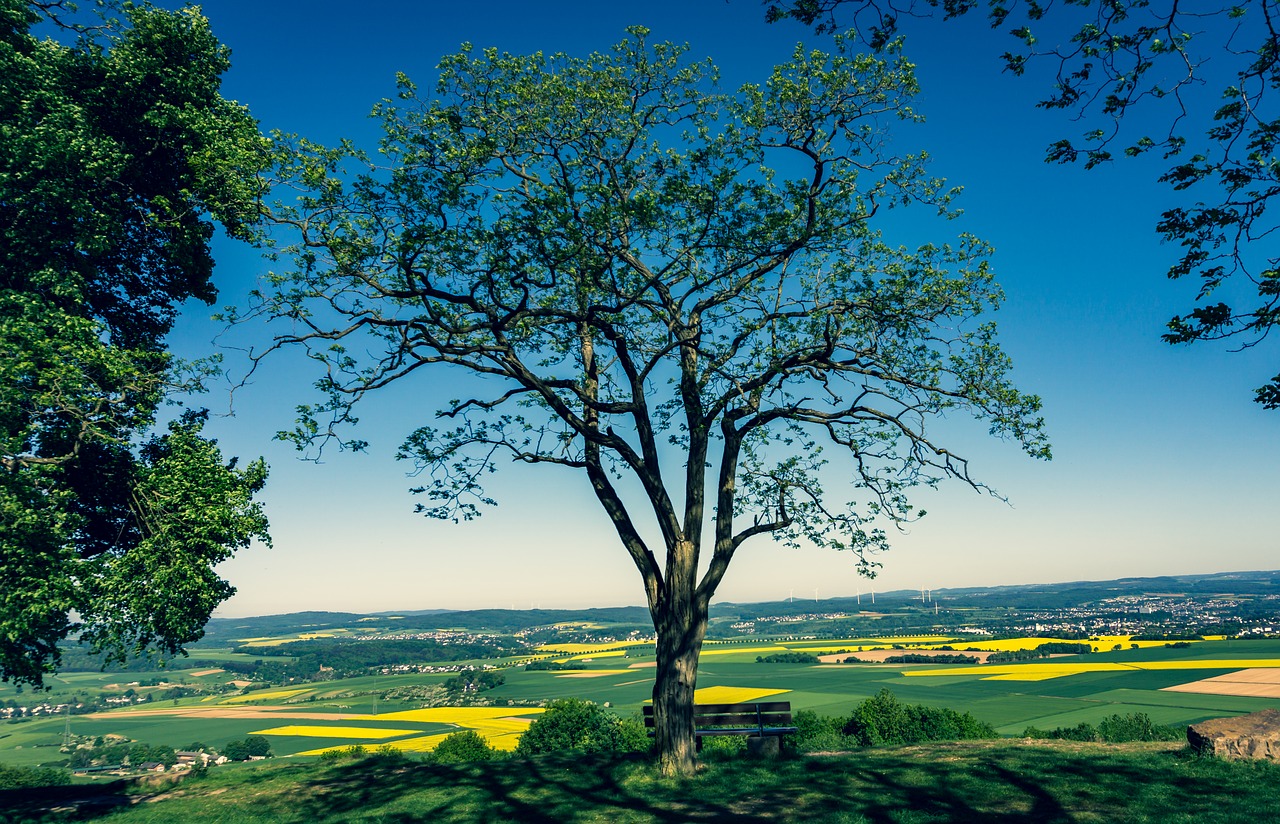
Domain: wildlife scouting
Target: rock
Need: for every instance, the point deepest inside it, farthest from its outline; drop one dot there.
(1256, 736)
(766, 746)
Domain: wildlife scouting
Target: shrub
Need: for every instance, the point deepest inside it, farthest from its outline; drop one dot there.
(878, 720)
(1114, 729)
(883, 719)
(16, 778)
(575, 724)
(461, 747)
(388, 754)
(1136, 726)
(819, 733)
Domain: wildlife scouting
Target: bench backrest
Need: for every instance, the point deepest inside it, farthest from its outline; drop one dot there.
(760, 714)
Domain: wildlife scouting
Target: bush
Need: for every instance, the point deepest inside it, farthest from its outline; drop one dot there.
(581, 726)
(1114, 729)
(883, 719)
(462, 747)
(16, 778)
(1137, 726)
(819, 733)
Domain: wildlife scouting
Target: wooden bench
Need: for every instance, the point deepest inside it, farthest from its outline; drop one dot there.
(758, 721)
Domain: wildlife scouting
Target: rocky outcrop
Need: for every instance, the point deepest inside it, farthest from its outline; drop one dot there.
(1255, 736)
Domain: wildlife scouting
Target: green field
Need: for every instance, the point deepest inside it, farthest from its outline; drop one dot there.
(1009, 706)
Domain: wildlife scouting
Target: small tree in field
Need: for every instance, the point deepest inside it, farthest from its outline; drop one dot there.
(663, 282)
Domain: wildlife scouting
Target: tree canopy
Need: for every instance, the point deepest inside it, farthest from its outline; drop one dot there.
(679, 292)
(1198, 86)
(116, 154)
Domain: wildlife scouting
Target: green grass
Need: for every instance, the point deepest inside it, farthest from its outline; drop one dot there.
(972, 781)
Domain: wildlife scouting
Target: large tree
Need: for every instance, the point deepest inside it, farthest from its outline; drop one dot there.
(679, 292)
(1196, 83)
(116, 153)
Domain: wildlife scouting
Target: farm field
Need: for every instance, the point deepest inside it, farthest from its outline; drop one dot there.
(1172, 685)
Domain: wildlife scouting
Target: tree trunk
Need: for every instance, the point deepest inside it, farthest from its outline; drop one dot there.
(679, 643)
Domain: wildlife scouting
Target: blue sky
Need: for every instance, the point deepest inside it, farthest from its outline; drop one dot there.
(1162, 463)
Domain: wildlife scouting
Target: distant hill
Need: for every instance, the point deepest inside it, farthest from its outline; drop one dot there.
(1022, 597)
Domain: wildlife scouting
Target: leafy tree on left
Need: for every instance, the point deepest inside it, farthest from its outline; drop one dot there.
(117, 153)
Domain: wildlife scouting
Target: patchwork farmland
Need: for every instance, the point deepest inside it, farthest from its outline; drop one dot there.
(1174, 685)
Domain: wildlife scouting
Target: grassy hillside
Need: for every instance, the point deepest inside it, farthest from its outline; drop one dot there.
(1002, 781)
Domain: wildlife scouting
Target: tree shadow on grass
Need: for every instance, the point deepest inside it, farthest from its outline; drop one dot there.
(548, 790)
(1010, 784)
(1005, 782)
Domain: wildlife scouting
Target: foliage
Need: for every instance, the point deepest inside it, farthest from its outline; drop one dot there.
(641, 263)
(581, 726)
(883, 720)
(343, 753)
(1041, 651)
(115, 151)
(255, 746)
(922, 658)
(118, 753)
(788, 658)
(1108, 61)
(818, 733)
(1114, 729)
(475, 680)
(548, 664)
(19, 778)
(463, 746)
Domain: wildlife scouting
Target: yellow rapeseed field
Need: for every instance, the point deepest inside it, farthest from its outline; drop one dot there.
(420, 744)
(317, 731)
(263, 695)
(850, 646)
(499, 733)
(1016, 672)
(1212, 663)
(462, 716)
(500, 726)
(1042, 671)
(731, 695)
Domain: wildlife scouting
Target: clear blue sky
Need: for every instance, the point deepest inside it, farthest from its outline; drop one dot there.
(1162, 462)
